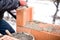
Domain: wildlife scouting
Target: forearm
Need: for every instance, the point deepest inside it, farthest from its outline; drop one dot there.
(9, 4)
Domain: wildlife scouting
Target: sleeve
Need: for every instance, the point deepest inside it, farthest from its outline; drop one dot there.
(9, 4)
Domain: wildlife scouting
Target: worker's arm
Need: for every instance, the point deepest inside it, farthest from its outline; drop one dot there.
(9, 4)
(21, 3)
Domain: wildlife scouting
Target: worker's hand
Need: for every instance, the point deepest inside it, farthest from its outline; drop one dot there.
(6, 37)
(22, 2)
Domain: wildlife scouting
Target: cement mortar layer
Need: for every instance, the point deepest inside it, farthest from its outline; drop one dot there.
(35, 26)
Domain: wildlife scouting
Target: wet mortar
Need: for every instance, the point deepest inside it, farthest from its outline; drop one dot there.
(22, 36)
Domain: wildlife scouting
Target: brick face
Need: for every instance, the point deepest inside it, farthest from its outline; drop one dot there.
(24, 15)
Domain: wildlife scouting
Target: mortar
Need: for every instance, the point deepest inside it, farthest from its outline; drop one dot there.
(23, 36)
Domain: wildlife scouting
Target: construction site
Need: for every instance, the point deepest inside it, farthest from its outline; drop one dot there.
(32, 20)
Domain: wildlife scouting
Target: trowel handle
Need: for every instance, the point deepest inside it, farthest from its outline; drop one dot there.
(8, 32)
